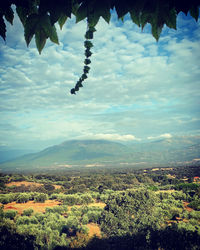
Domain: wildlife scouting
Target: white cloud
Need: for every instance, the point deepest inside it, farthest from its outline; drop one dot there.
(163, 136)
(136, 86)
(112, 137)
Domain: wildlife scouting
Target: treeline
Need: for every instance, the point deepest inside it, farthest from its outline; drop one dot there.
(120, 179)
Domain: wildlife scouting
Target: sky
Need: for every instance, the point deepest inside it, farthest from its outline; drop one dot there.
(138, 89)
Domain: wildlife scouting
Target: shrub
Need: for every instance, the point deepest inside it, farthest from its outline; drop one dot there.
(72, 199)
(23, 198)
(23, 220)
(27, 212)
(195, 204)
(93, 216)
(194, 215)
(40, 197)
(10, 214)
(85, 219)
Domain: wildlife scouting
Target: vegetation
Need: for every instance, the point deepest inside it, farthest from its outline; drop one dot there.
(39, 17)
(133, 209)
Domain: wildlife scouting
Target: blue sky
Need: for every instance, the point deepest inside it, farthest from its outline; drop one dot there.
(137, 89)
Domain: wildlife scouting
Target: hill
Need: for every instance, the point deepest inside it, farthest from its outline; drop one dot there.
(103, 153)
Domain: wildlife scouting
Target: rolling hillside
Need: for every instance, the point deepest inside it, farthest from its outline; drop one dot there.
(102, 152)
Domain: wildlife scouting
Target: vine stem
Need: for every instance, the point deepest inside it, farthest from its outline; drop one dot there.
(88, 45)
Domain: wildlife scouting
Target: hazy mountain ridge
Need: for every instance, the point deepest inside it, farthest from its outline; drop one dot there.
(83, 152)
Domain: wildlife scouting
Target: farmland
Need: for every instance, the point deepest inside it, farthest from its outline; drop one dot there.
(113, 210)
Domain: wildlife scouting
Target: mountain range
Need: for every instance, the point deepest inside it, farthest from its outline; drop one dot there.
(94, 153)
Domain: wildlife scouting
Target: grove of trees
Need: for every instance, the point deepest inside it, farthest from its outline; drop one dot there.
(144, 212)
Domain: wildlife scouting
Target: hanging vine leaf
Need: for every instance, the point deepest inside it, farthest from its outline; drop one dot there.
(81, 12)
(9, 15)
(40, 26)
(194, 12)
(22, 13)
(30, 27)
(2, 28)
(88, 44)
(40, 39)
(61, 21)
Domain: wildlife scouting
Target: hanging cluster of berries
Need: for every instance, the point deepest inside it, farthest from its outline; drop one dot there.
(88, 45)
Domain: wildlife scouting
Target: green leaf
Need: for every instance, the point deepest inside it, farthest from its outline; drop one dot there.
(86, 69)
(88, 44)
(145, 17)
(61, 21)
(49, 29)
(194, 12)
(89, 35)
(156, 31)
(45, 24)
(73, 92)
(81, 13)
(106, 15)
(87, 61)
(30, 27)
(104, 9)
(92, 29)
(40, 39)
(76, 87)
(170, 19)
(9, 15)
(80, 85)
(2, 28)
(135, 16)
(88, 53)
(121, 8)
(55, 15)
(22, 13)
(93, 19)
(53, 36)
(84, 76)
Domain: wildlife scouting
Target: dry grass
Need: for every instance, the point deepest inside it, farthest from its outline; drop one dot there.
(96, 204)
(40, 207)
(94, 229)
(165, 191)
(185, 204)
(36, 206)
(28, 183)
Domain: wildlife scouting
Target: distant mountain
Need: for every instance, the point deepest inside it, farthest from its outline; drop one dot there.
(10, 154)
(102, 152)
(71, 152)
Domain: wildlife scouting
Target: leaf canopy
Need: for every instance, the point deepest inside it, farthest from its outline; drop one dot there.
(39, 16)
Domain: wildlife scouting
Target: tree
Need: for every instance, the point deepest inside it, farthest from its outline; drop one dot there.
(28, 212)
(10, 214)
(131, 212)
(40, 197)
(39, 17)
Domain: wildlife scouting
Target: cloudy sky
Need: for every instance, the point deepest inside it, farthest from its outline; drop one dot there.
(137, 89)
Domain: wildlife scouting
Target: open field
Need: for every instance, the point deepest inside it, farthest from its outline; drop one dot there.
(28, 183)
(40, 207)
(36, 206)
(185, 204)
(94, 229)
